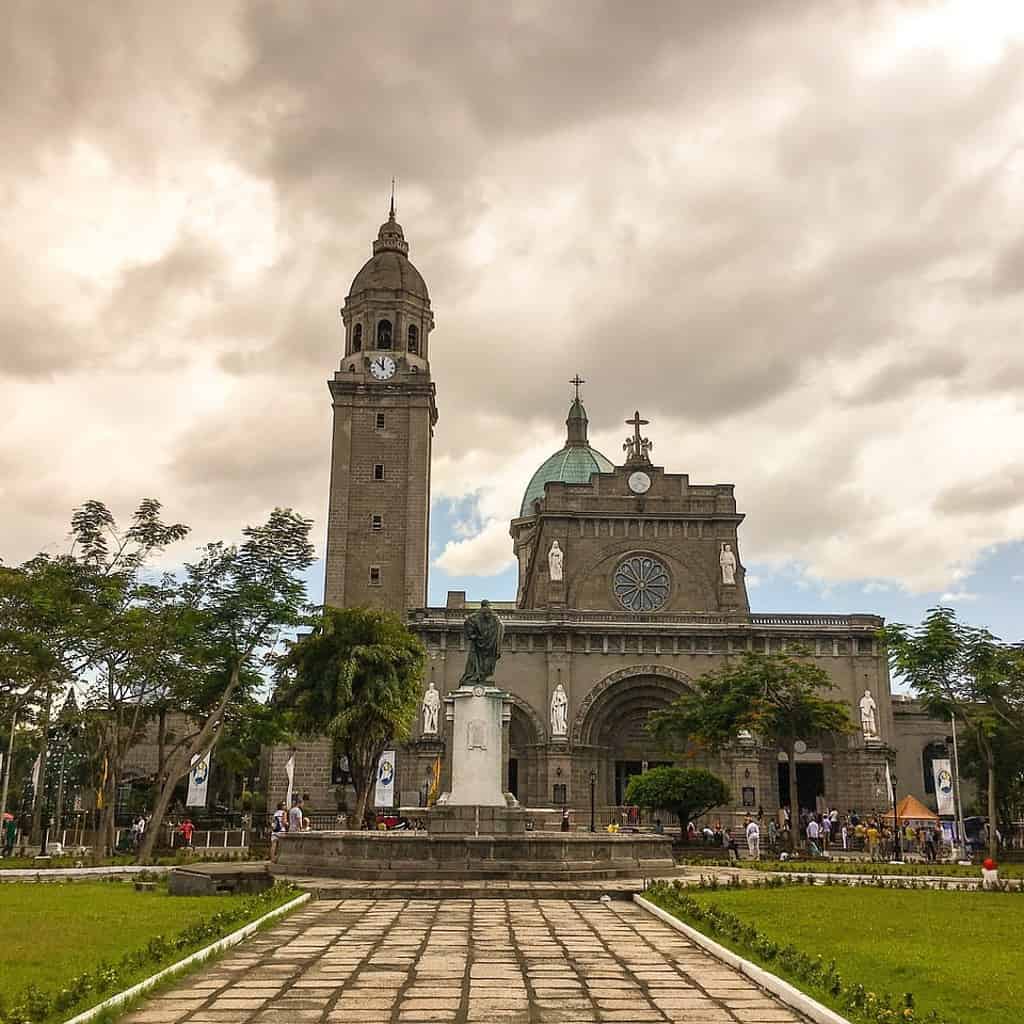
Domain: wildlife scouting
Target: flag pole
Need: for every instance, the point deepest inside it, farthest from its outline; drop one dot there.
(961, 837)
(7, 766)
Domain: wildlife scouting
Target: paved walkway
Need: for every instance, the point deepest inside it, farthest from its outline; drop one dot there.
(514, 962)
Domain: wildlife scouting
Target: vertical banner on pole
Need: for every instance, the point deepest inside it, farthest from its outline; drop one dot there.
(888, 787)
(385, 793)
(289, 770)
(943, 774)
(199, 779)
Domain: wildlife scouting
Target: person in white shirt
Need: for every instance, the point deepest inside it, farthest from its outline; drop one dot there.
(813, 832)
(754, 839)
(295, 817)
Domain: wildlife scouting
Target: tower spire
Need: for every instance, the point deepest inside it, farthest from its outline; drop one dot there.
(577, 419)
(391, 212)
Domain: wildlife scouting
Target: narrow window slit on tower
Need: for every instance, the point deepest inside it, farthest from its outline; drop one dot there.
(380, 421)
(378, 471)
(374, 575)
(376, 521)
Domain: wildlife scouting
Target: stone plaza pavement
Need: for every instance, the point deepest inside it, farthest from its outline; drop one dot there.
(524, 961)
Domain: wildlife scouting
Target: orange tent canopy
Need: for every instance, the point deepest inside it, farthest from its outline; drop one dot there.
(911, 809)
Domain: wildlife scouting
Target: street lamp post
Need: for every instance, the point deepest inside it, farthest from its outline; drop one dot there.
(897, 846)
(593, 790)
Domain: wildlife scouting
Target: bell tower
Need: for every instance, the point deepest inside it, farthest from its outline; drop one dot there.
(384, 415)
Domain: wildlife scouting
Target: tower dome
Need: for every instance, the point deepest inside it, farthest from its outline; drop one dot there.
(387, 307)
(389, 268)
(573, 464)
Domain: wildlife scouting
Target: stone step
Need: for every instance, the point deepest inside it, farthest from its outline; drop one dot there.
(446, 889)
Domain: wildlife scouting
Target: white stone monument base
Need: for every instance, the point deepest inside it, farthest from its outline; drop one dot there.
(477, 715)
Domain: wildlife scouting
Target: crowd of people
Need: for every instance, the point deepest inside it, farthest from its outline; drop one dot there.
(821, 832)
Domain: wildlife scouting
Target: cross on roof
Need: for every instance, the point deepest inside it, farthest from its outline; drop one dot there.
(636, 423)
(577, 381)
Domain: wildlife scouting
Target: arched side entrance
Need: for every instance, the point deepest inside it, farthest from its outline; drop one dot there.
(526, 736)
(612, 720)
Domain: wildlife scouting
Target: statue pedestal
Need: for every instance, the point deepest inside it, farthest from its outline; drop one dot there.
(477, 714)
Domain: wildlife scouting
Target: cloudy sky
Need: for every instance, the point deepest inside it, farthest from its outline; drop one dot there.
(791, 233)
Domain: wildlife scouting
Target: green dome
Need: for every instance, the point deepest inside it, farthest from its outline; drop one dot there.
(572, 465)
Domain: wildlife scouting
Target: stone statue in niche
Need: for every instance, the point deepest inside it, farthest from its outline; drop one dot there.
(484, 632)
(868, 719)
(431, 709)
(556, 561)
(559, 711)
(727, 560)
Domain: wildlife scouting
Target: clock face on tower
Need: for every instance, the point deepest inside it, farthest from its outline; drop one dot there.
(639, 482)
(383, 367)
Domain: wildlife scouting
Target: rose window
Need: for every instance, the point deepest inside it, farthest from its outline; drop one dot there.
(641, 583)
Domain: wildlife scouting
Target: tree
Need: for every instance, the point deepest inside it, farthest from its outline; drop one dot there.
(781, 697)
(356, 678)
(686, 792)
(41, 621)
(233, 609)
(962, 670)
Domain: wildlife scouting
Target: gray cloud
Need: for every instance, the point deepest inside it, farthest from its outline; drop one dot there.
(799, 254)
(994, 495)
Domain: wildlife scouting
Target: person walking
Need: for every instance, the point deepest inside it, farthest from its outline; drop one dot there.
(279, 822)
(873, 838)
(729, 842)
(813, 834)
(753, 839)
(186, 828)
(10, 830)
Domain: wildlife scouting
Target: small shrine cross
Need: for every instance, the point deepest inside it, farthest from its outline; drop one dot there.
(576, 382)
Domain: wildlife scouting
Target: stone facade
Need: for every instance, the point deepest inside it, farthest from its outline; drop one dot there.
(616, 669)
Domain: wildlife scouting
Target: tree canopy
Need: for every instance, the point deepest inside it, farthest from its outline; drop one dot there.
(356, 678)
(686, 792)
(962, 670)
(780, 697)
(234, 608)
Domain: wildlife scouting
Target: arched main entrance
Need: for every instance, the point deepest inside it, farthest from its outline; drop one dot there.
(612, 720)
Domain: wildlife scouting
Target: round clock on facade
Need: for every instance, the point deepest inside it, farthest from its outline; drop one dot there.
(641, 583)
(639, 482)
(383, 367)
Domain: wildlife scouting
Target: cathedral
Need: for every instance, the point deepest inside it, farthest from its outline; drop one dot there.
(631, 584)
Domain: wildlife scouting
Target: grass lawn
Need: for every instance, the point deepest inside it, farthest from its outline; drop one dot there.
(55, 932)
(958, 952)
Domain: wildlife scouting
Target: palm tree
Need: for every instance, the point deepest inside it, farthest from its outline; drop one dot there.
(356, 678)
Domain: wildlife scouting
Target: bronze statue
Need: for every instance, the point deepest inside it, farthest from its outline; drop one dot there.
(484, 632)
